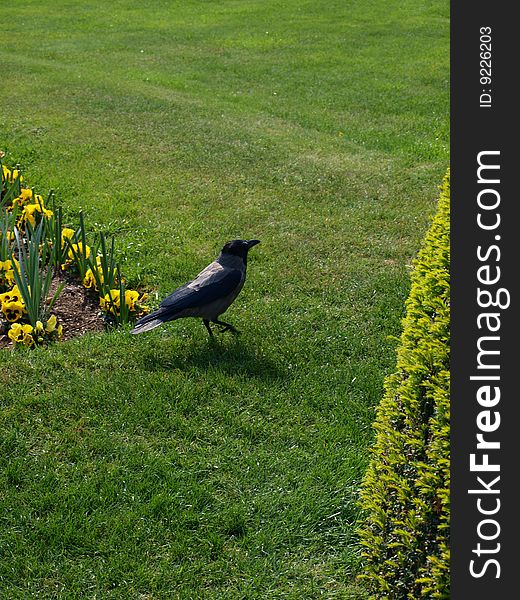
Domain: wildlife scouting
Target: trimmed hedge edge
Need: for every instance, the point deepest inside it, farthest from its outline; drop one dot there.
(405, 492)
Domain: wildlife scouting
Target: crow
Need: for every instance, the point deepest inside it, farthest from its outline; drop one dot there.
(207, 296)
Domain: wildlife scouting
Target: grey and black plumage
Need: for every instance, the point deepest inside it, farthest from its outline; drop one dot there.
(207, 296)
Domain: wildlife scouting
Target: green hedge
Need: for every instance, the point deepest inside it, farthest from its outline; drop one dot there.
(405, 492)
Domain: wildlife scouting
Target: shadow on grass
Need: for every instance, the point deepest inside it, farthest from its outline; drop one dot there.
(229, 356)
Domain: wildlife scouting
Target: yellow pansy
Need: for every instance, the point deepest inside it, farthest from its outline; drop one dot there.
(30, 212)
(6, 274)
(78, 249)
(66, 234)
(111, 302)
(12, 295)
(28, 340)
(9, 235)
(16, 333)
(9, 277)
(39, 333)
(25, 197)
(6, 265)
(21, 334)
(51, 324)
(13, 311)
(10, 176)
(131, 297)
(89, 281)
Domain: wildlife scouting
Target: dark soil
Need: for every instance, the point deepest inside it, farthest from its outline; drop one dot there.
(76, 308)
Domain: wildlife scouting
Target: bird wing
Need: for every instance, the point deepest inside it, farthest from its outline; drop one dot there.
(211, 284)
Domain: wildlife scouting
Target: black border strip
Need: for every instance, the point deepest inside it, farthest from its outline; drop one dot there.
(483, 526)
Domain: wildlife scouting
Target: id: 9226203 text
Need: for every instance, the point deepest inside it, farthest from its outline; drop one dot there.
(485, 67)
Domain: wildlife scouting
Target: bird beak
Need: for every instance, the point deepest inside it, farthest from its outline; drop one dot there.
(251, 243)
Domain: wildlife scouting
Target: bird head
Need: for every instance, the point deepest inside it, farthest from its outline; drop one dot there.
(239, 247)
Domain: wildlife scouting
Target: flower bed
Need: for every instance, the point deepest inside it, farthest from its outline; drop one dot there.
(55, 282)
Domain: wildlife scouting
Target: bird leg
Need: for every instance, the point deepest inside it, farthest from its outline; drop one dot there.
(206, 324)
(226, 326)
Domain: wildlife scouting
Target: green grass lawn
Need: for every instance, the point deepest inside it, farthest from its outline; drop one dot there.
(160, 465)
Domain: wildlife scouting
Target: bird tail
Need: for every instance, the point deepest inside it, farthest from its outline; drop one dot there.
(151, 321)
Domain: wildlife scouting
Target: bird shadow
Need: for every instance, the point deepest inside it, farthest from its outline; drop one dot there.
(231, 356)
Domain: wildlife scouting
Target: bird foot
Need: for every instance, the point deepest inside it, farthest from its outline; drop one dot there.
(229, 328)
(223, 327)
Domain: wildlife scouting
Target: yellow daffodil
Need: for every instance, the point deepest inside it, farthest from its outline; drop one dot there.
(13, 311)
(39, 328)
